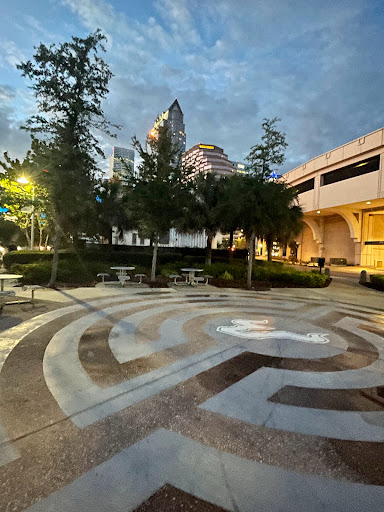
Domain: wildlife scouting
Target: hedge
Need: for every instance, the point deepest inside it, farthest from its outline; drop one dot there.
(377, 281)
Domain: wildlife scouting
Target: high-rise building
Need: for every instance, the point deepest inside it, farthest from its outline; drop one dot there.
(173, 118)
(119, 159)
(208, 158)
(239, 167)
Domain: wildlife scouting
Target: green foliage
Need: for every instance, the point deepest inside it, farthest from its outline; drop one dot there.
(70, 82)
(226, 276)
(263, 157)
(377, 281)
(237, 270)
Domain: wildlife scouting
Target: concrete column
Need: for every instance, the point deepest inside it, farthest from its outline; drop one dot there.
(380, 192)
(357, 260)
(316, 194)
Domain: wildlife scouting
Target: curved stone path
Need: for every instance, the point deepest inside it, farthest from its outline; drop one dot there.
(194, 401)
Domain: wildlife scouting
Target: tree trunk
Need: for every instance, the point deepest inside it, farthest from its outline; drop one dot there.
(154, 259)
(55, 261)
(208, 255)
(251, 257)
(269, 244)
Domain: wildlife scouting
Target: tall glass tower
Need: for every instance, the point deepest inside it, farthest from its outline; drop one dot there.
(118, 159)
(173, 118)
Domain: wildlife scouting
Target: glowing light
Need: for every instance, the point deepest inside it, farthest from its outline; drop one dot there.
(368, 202)
(23, 180)
(41, 248)
(204, 146)
(318, 211)
(49, 247)
(152, 133)
(19, 248)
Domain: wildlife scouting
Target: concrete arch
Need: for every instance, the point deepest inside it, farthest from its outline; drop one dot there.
(352, 222)
(313, 225)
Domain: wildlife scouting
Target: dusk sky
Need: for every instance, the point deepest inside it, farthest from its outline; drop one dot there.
(316, 64)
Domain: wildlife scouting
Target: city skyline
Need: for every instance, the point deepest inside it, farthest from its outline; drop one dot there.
(230, 66)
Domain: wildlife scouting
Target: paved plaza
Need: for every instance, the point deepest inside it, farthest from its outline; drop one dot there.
(198, 399)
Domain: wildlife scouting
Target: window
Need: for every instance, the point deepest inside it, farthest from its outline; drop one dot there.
(351, 171)
(305, 186)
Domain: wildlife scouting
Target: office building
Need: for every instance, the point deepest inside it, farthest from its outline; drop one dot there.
(342, 196)
(119, 159)
(208, 158)
(239, 167)
(173, 118)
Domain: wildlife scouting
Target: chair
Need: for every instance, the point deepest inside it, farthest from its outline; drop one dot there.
(103, 276)
(174, 277)
(140, 276)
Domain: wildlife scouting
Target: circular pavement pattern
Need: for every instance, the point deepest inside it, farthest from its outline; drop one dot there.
(216, 401)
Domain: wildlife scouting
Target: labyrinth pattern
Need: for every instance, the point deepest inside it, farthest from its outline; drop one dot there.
(162, 402)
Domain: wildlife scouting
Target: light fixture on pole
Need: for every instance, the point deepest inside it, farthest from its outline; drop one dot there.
(24, 181)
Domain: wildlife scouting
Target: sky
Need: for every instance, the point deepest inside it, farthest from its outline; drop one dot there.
(316, 64)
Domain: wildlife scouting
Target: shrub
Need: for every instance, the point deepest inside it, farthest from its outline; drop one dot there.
(237, 270)
(377, 281)
(227, 276)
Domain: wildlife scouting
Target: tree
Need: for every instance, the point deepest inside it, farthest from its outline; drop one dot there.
(159, 190)
(282, 214)
(19, 199)
(204, 208)
(263, 157)
(244, 209)
(69, 82)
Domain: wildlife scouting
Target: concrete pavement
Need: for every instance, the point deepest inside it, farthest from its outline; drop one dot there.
(193, 399)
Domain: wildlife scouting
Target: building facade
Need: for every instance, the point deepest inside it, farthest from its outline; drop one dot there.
(118, 159)
(342, 196)
(239, 167)
(173, 118)
(208, 158)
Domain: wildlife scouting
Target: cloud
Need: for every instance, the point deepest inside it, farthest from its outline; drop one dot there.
(233, 63)
(12, 140)
(10, 54)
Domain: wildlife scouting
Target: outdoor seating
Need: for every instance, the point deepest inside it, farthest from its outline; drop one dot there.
(4, 295)
(140, 276)
(123, 279)
(103, 276)
(32, 288)
(174, 277)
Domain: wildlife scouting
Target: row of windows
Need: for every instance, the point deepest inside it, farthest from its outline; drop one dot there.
(344, 173)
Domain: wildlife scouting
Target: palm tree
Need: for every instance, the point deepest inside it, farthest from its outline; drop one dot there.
(203, 210)
(282, 214)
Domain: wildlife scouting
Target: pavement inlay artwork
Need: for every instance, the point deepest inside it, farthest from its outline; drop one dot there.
(204, 402)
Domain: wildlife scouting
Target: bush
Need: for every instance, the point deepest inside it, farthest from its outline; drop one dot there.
(227, 276)
(237, 270)
(377, 281)
(68, 272)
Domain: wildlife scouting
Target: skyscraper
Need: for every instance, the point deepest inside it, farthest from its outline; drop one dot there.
(208, 158)
(118, 159)
(173, 118)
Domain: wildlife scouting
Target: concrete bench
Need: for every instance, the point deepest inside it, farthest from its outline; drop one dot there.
(175, 277)
(32, 288)
(4, 295)
(203, 279)
(123, 279)
(103, 275)
(140, 276)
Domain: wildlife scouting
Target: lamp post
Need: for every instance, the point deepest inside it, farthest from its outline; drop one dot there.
(24, 181)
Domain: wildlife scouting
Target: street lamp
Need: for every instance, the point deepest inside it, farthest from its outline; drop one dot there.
(24, 181)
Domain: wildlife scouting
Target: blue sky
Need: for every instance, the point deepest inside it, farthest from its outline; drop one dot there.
(316, 64)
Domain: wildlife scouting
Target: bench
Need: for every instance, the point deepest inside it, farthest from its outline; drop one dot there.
(141, 277)
(203, 279)
(4, 295)
(123, 279)
(174, 277)
(103, 276)
(32, 288)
